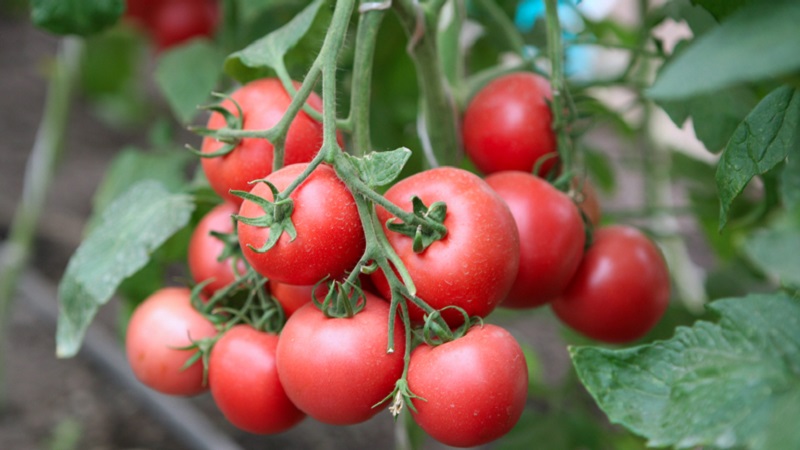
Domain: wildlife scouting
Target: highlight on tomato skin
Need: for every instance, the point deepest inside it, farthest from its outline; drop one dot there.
(621, 289)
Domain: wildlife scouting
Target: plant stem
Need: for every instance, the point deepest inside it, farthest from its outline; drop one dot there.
(438, 127)
(39, 171)
(368, 25)
(555, 51)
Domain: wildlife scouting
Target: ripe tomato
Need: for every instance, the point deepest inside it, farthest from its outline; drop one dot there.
(244, 382)
(475, 264)
(508, 125)
(329, 239)
(336, 370)
(176, 21)
(621, 289)
(263, 103)
(474, 388)
(551, 237)
(163, 322)
(293, 297)
(205, 249)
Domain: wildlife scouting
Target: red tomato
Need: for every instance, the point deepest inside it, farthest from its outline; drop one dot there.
(174, 22)
(336, 370)
(263, 103)
(244, 382)
(474, 388)
(551, 237)
(329, 239)
(475, 264)
(293, 297)
(621, 289)
(163, 322)
(508, 125)
(205, 249)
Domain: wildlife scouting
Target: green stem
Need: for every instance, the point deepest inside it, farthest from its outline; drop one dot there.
(368, 25)
(39, 172)
(438, 124)
(299, 99)
(329, 55)
(503, 25)
(555, 51)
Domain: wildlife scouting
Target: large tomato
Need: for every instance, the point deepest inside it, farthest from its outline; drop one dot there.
(475, 264)
(292, 297)
(263, 103)
(164, 322)
(244, 382)
(551, 237)
(337, 369)
(508, 125)
(329, 239)
(205, 249)
(621, 289)
(474, 388)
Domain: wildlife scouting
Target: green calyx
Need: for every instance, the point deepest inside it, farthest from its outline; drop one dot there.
(277, 216)
(426, 232)
(343, 300)
(233, 122)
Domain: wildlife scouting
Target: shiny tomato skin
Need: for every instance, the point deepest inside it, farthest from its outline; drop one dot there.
(293, 297)
(163, 322)
(475, 387)
(263, 102)
(204, 249)
(475, 264)
(244, 382)
(551, 237)
(329, 239)
(508, 125)
(337, 369)
(174, 22)
(621, 289)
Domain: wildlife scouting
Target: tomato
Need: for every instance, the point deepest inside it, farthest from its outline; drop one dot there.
(177, 21)
(244, 382)
(474, 388)
(205, 249)
(164, 322)
(621, 289)
(293, 297)
(588, 200)
(329, 239)
(337, 369)
(508, 125)
(475, 264)
(551, 237)
(263, 103)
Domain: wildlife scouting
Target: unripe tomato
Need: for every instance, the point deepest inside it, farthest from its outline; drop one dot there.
(551, 237)
(329, 241)
(205, 249)
(159, 326)
(621, 289)
(508, 125)
(263, 103)
(244, 382)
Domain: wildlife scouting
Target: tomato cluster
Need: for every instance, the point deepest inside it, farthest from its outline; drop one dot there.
(295, 312)
(172, 22)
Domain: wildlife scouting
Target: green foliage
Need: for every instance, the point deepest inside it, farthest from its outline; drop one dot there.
(721, 8)
(187, 74)
(133, 227)
(735, 53)
(729, 384)
(381, 168)
(79, 17)
(774, 251)
(761, 142)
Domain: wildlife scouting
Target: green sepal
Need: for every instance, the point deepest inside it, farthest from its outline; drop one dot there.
(233, 122)
(277, 216)
(423, 236)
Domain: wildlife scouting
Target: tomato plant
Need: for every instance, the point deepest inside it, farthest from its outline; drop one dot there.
(604, 300)
(159, 332)
(263, 103)
(292, 297)
(480, 401)
(329, 237)
(205, 250)
(474, 265)
(243, 379)
(338, 370)
(551, 237)
(173, 22)
(508, 125)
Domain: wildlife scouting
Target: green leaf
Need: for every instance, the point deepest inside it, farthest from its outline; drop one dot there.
(758, 42)
(790, 180)
(735, 383)
(714, 116)
(601, 169)
(110, 61)
(381, 168)
(776, 252)
(187, 74)
(721, 8)
(79, 17)
(132, 228)
(759, 143)
(268, 52)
